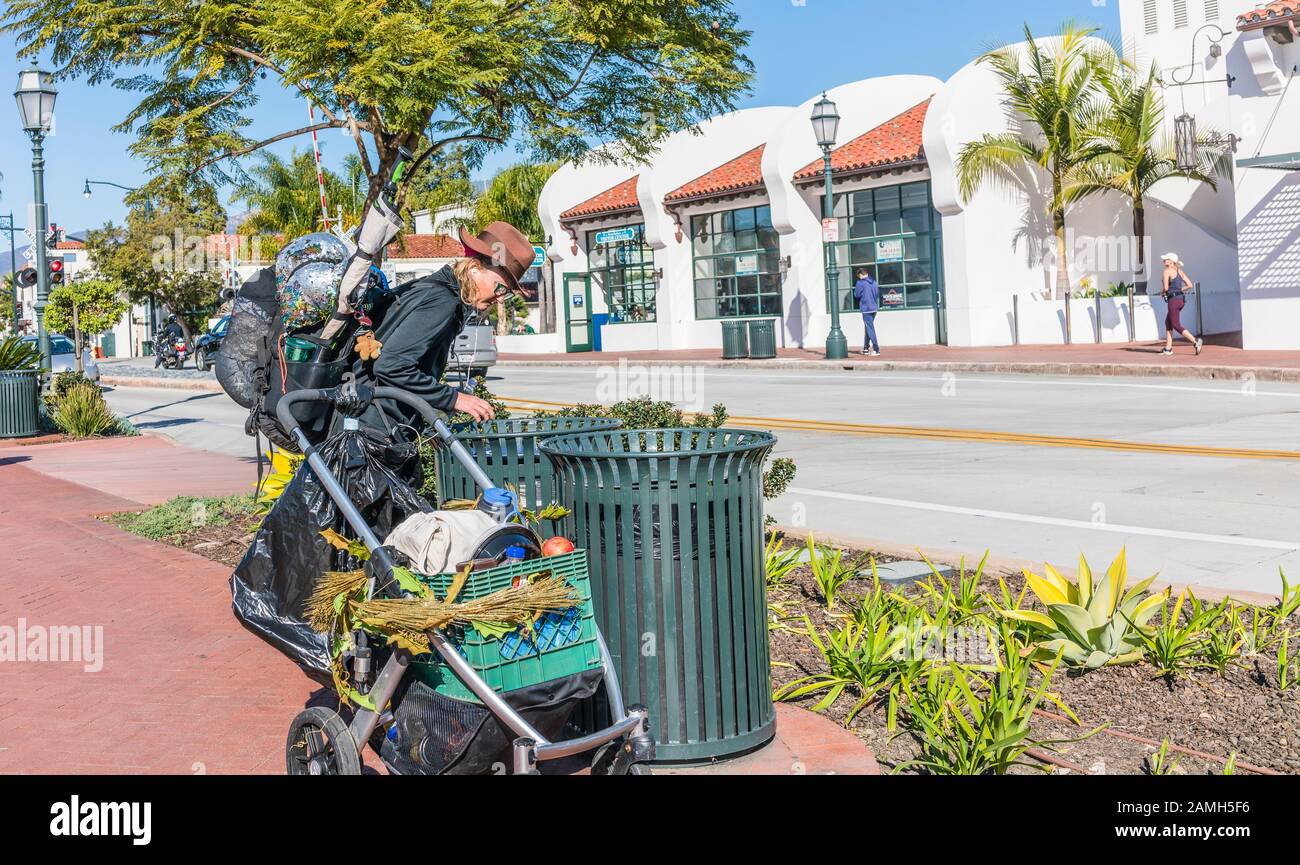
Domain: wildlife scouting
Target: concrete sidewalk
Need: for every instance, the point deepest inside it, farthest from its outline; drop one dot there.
(1120, 359)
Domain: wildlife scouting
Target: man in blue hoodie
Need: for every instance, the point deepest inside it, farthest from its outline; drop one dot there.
(867, 294)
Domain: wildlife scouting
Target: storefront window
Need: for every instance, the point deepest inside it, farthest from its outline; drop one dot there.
(623, 270)
(893, 232)
(737, 264)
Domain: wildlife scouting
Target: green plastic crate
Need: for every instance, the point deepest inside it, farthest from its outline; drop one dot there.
(565, 643)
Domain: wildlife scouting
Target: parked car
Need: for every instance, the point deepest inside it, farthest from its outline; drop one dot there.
(63, 356)
(207, 345)
(475, 348)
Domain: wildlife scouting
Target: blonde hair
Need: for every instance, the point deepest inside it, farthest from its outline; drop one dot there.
(463, 269)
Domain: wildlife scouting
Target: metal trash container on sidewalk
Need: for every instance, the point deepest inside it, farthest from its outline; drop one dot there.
(20, 411)
(507, 451)
(672, 521)
(762, 338)
(735, 340)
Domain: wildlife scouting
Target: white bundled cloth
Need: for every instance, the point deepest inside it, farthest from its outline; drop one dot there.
(437, 542)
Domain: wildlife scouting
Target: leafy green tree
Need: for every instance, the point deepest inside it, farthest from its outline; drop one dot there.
(555, 77)
(6, 302)
(85, 306)
(162, 253)
(442, 181)
(1057, 89)
(1135, 154)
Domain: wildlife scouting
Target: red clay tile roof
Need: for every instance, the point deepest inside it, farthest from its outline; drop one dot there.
(893, 142)
(426, 246)
(612, 200)
(743, 172)
(70, 244)
(1269, 14)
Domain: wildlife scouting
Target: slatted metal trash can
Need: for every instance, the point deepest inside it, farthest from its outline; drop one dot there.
(507, 451)
(672, 521)
(20, 393)
(735, 340)
(762, 338)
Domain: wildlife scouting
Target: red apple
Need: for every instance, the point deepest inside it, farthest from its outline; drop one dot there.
(557, 546)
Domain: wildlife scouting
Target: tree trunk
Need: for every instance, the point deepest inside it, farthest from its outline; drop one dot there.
(1140, 236)
(76, 337)
(503, 318)
(1062, 251)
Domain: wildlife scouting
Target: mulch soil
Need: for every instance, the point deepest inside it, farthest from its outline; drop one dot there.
(1243, 711)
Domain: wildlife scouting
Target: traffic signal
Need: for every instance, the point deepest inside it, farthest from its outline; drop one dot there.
(56, 271)
(27, 277)
(52, 242)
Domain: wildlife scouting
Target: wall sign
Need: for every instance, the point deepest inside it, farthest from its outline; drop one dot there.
(539, 256)
(891, 298)
(615, 235)
(578, 301)
(889, 251)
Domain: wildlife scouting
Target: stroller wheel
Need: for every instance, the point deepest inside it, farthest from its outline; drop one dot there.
(320, 743)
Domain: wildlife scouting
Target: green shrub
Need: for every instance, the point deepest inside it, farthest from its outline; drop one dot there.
(17, 354)
(60, 384)
(82, 413)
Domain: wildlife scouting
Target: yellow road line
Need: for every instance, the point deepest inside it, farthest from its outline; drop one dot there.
(971, 435)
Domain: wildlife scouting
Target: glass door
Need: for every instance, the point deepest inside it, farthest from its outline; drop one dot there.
(577, 304)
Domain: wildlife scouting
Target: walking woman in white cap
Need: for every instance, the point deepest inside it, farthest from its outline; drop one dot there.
(1176, 284)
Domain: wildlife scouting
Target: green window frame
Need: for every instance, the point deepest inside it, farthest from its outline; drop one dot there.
(737, 264)
(624, 273)
(871, 218)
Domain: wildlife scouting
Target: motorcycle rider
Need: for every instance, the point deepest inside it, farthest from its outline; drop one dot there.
(165, 340)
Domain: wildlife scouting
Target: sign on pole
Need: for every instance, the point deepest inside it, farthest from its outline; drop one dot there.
(830, 230)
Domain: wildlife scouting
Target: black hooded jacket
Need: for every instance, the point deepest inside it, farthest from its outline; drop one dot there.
(416, 324)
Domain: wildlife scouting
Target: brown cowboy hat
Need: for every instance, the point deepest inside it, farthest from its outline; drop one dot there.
(505, 247)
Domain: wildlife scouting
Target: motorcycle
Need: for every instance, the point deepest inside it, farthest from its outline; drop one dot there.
(172, 354)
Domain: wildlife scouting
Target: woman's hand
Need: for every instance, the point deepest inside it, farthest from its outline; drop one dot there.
(474, 407)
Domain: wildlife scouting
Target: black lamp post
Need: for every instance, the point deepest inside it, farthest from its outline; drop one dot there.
(148, 201)
(35, 97)
(826, 127)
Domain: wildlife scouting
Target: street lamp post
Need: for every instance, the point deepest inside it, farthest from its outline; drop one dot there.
(826, 125)
(35, 97)
(148, 201)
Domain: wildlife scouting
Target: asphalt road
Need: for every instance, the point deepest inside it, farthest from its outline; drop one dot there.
(1199, 480)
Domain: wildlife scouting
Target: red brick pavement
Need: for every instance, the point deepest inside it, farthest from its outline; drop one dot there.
(183, 688)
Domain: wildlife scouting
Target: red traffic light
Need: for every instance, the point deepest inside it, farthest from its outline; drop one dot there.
(56, 272)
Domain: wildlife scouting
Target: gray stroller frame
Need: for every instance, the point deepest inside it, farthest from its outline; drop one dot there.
(624, 747)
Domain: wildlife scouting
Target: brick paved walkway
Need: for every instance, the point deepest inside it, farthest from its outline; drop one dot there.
(182, 687)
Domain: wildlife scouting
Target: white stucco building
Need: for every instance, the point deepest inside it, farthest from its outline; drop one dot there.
(725, 221)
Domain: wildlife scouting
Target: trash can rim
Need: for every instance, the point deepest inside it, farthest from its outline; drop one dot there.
(573, 444)
(473, 429)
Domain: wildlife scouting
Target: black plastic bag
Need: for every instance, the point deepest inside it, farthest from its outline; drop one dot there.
(272, 583)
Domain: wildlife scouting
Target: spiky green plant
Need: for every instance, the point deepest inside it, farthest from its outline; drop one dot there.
(831, 569)
(1174, 645)
(1160, 763)
(857, 655)
(83, 413)
(779, 561)
(18, 354)
(1089, 625)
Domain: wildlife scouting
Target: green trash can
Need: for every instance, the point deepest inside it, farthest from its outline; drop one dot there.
(672, 521)
(146, 348)
(762, 338)
(20, 394)
(507, 451)
(735, 341)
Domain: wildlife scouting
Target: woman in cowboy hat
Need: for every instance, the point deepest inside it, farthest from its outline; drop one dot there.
(417, 323)
(1176, 285)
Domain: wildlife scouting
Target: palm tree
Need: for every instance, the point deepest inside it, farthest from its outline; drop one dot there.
(1135, 154)
(283, 195)
(1055, 88)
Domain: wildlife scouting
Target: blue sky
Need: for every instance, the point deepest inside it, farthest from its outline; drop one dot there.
(798, 47)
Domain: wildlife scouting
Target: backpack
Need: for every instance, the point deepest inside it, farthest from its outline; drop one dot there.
(257, 364)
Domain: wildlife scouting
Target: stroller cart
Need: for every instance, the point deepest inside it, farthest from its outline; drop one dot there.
(475, 704)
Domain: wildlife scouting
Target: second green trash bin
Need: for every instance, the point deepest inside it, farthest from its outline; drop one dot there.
(762, 338)
(735, 340)
(507, 451)
(672, 521)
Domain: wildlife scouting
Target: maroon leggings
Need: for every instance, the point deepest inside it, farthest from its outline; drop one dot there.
(1174, 318)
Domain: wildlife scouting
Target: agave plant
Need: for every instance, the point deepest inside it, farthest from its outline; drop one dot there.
(18, 354)
(1089, 624)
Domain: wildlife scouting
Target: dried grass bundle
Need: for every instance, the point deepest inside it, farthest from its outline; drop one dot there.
(320, 606)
